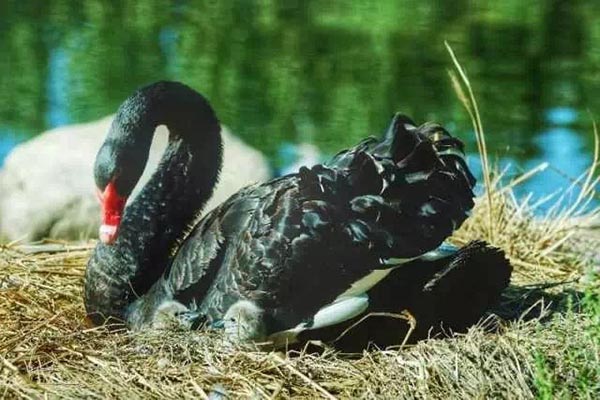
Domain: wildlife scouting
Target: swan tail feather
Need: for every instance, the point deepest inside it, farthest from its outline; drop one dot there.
(401, 196)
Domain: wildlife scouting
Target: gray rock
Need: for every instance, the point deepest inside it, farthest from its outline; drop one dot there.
(47, 187)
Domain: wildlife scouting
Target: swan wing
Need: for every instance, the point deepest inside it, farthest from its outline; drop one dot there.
(295, 244)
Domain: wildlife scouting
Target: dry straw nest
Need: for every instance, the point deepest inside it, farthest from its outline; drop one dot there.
(543, 339)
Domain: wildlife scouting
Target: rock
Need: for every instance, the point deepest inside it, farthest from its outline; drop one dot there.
(47, 187)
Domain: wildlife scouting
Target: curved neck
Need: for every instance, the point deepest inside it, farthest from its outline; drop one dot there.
(169, 203)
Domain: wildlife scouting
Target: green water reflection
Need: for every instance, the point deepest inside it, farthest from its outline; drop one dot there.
(326, 72)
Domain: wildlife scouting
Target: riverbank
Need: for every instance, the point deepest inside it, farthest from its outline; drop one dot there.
(542, 340)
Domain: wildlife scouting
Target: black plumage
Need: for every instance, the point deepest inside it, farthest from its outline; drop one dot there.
(290, 246)
(442, 296)
(295, 244)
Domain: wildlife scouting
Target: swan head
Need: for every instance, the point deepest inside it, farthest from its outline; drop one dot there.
(244, 322)
(119, 164)
(122, 157)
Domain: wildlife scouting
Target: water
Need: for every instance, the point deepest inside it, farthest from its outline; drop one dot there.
(323, 73)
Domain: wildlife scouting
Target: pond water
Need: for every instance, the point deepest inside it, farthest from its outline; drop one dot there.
(281, 73)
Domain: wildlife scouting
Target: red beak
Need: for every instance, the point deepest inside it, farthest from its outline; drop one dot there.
(112, 211)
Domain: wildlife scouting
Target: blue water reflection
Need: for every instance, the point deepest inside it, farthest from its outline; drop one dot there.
(8, 140)
(565, 152)
(57, 113)
(561, 115)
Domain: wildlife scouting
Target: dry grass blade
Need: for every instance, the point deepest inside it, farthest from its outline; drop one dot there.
(470, 104)
(540, 247)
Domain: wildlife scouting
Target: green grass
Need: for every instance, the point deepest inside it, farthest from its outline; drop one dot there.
(575, 371)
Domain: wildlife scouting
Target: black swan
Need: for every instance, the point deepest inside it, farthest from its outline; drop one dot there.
(297, 254)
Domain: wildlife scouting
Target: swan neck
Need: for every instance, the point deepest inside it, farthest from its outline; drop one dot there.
(167, 206)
